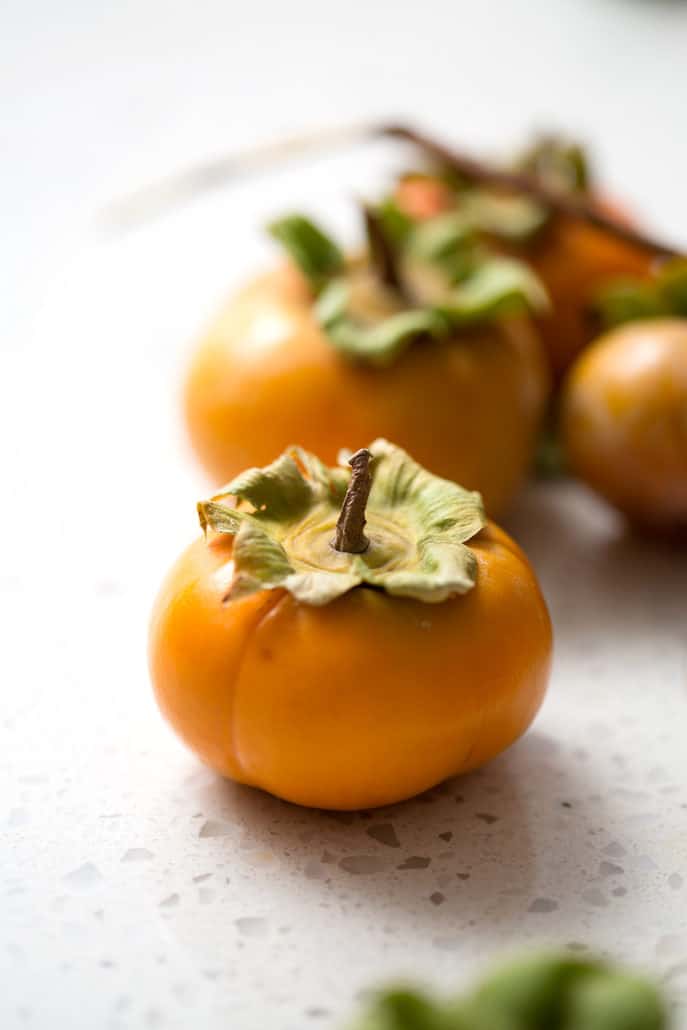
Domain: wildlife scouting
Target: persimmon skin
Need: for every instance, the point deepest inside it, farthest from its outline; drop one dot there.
(362, 702)
(575, 261)
(624, 421)
(266, 376)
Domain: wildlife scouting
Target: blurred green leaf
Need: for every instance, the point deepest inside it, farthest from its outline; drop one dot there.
(315, 253)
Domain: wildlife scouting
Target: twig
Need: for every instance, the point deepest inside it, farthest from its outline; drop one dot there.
(572, 206)
(157, 197)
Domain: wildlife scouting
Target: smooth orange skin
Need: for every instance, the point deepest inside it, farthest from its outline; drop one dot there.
(363, 702)
(266, 376)
(575, 261)
(624, 421)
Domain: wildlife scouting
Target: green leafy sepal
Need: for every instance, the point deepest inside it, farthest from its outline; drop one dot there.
(496, 288)
(283, 519)
(311, 249)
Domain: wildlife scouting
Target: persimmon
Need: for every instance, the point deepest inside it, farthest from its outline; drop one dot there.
(346, 657)
(333, 351)
(573, 259)
(624, 421)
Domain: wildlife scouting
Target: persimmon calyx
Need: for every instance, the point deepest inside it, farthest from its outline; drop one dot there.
(284, 518)
(495, 289)
(315, 253)
(430, 279)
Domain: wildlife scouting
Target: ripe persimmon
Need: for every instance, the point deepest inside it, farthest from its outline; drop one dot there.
(624, 421)
(292, 653)
(333, 354)
(573, 259)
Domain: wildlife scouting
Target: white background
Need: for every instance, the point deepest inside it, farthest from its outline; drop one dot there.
(136, 890)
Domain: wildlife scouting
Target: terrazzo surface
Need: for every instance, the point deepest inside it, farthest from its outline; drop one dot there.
(137, 890)
(140, 890)
(164, 892)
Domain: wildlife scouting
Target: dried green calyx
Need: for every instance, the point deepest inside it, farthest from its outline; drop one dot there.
(426, 280)
(629, 300)
(284, 519)
(543, 993)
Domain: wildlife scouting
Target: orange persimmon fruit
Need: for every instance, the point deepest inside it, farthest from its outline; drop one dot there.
(624, 421)
(266, 374)
(367, 699)
(573, 259)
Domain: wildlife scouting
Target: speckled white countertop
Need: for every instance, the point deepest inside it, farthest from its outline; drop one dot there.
(137, 890)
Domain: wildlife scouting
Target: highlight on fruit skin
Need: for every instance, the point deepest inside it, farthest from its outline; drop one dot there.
(624, 421)
(355, 677)
(539, 992)
(426, 338)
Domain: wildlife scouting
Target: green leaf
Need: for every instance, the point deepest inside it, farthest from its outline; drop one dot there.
(533, 992)
(498, 287)
(260, 561)
(332, 304)
(672, 286)
(417, 523)
(381, 344)
(508, 216)
(431, 279)
(440, 238)
(560, 164)
(315, 253)
(441, 516)
(550, 992)
(628, 301)
(278, 488)
(545, 992)
(631, 300)
(614, 1001)
(400, 1008)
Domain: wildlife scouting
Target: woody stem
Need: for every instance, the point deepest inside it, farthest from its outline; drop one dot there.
(350, 527)
(578, 208)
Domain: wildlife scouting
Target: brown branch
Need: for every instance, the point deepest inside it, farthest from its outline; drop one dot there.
(183, 186)
(349, 529)
(574, 207)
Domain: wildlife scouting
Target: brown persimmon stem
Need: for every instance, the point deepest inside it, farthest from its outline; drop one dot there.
(572, 206)
(350, 527)
(381, 253)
